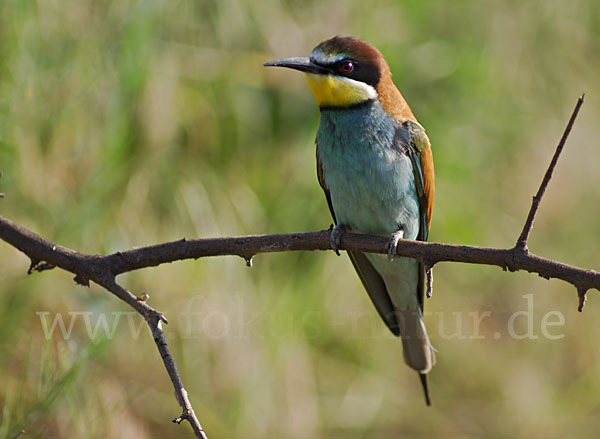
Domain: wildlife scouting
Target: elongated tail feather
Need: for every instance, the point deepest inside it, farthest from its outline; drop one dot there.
(418, 352)
(425, 389)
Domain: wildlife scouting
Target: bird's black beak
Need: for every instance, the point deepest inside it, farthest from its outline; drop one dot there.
(302, 63)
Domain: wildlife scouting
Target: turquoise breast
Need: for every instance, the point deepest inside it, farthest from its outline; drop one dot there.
(366, 170)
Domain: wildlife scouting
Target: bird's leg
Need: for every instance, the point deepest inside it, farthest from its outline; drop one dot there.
(335, 237)
(392, 245)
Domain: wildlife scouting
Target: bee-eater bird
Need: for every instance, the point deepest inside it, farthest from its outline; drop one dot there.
(375, 165)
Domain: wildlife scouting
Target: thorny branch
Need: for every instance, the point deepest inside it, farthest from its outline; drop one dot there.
(45, 255)
(102, 270)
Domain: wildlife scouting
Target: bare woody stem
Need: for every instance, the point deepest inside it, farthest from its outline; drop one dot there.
(87, 266)
(102, 270)
(46, 255)
(155, 321)
(537, 198)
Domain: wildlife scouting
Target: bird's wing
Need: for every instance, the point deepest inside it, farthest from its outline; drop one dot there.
(375, 286)
(370, 278)
(324, 187)
(419, 150)
(421, 156)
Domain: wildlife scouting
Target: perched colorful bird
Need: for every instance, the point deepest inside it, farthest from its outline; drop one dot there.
(374, 163)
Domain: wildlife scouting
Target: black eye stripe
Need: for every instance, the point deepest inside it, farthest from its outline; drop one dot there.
(360, 71)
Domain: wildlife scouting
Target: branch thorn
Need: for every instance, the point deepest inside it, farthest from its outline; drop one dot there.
(32, 265)
(161, 318)
(582, 293)
(429, 280)
(179, 419)
(82, 280)
(39, 266)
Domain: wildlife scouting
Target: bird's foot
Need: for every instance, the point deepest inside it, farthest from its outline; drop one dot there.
(392, 246)
(335, 238)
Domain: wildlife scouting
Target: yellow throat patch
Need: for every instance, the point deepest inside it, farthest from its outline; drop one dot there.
(336, 91)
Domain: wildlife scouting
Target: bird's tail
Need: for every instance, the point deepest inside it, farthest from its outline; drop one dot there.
(423, 377)
(418, 352)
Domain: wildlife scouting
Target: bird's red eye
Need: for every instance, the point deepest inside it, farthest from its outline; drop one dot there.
(347, 67)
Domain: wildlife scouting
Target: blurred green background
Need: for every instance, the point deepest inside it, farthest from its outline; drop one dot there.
(127, 123)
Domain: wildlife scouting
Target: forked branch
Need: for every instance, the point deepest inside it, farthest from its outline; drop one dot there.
(102, 270)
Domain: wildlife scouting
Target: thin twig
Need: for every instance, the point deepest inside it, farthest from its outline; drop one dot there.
(535, 203)
(19, 433)
(155, 321)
